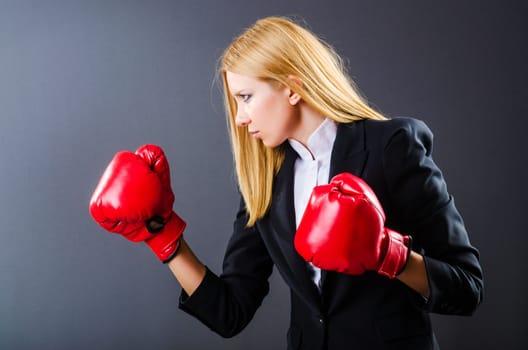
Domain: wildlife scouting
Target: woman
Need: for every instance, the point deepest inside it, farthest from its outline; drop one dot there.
(346, 203)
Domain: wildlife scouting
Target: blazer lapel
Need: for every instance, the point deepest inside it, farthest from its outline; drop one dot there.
(349, 154)
(282, 220)
(282, 212)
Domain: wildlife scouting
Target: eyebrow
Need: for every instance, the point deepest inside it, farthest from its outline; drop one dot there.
(239, 93)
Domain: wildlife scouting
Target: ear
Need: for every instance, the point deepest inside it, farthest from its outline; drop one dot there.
(294, 97)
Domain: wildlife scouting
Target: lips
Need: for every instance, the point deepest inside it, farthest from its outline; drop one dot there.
(254, 133)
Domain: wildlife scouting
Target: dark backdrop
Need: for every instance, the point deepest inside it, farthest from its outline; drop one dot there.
(80, 80)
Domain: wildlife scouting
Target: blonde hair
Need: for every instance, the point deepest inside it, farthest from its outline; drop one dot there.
(273, 49)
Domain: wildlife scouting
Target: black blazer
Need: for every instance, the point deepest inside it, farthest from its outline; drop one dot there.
(368, 311)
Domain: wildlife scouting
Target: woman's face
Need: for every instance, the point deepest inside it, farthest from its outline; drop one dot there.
(267, 110)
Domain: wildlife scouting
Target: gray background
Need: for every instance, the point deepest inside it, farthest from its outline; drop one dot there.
(80, 80)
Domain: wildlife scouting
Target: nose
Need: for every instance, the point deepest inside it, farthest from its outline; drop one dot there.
(242, 119)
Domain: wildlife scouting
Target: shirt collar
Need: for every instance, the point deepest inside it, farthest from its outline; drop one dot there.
(319, 143)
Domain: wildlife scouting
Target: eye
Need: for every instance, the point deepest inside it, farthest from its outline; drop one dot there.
(245, 98)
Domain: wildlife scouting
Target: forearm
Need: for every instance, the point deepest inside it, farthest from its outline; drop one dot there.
(228, 302)
(187, 269)
(415, 275)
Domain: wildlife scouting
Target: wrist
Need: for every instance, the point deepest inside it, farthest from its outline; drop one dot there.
(414, 275)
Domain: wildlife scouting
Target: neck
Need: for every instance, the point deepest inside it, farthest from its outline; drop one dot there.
(309, 121)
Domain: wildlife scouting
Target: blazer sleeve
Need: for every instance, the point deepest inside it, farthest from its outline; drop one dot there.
(423, 208)
(227, 303)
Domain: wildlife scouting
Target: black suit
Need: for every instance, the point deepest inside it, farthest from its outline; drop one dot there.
(368, 311)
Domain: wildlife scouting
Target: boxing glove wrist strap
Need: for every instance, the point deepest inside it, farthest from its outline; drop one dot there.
(165, 239)
(397, 255)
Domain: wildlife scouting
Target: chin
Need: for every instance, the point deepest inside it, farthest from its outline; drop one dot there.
(272, 143)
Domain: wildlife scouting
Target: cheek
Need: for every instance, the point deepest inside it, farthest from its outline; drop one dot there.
(279, 111)
(285, 117)
(272, 112)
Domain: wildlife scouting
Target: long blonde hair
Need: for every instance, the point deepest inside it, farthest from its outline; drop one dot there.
(275, 48)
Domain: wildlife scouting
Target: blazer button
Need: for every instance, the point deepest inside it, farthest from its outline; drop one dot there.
(321, 320)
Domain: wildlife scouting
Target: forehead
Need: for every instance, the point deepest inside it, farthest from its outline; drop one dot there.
(237, 82)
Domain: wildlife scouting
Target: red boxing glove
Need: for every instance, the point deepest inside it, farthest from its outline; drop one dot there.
(343, 229)
(134, 198)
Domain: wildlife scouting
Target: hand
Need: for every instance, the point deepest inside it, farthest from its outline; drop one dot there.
(134, 198)
(343, 229)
